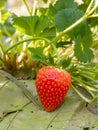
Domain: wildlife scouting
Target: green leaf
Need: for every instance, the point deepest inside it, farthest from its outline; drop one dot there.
(66, 18)
(42, 24)
(49, 33)
(93, 21)
(26, 24)
(35, 26)
(84, 5)
(66, 62)
(82, 52)
(62, 4)
(49, 12)
(37, 54)
(86, 36)
(51, 59)
(7, 29)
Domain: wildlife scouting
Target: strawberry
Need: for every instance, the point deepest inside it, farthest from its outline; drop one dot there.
(52, 85)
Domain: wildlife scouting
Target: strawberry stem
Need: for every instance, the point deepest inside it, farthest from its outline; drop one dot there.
(79, 81)
(26, 40)
(28, 9)
(84, 98)
(95, 99)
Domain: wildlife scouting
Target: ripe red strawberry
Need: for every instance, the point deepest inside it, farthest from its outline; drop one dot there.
(52, 85)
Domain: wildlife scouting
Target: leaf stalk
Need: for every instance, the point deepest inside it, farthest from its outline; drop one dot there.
(28, 9)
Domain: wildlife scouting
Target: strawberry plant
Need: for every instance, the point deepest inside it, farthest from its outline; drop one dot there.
(63, 35)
